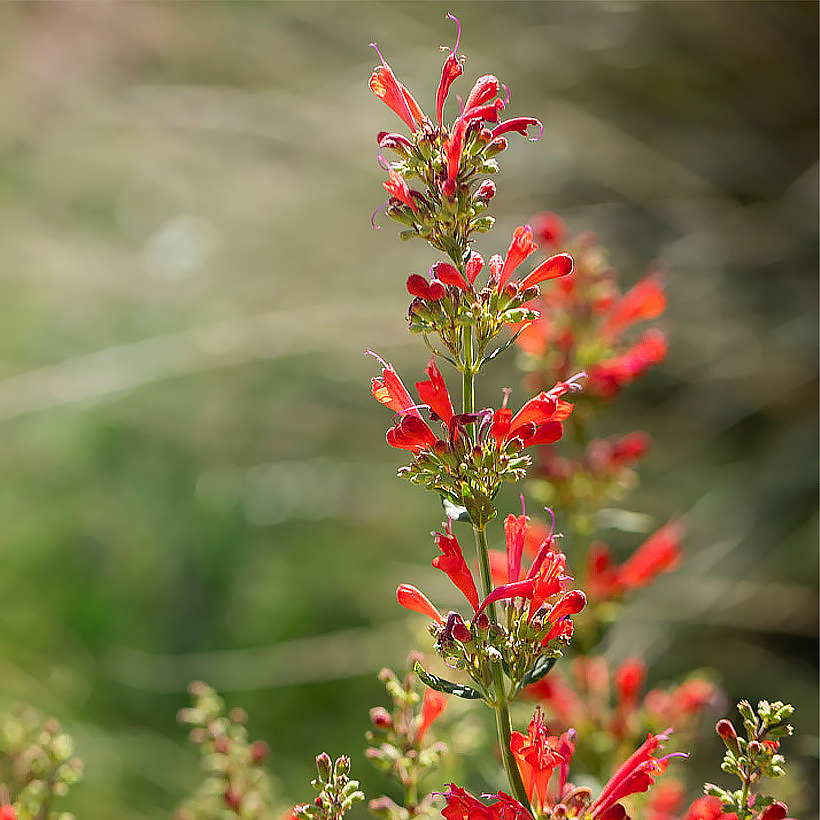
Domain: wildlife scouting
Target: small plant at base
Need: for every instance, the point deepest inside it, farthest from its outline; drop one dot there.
(752, 758)
(236, 780)
(37, 766)
(400, 745)
(337, 792)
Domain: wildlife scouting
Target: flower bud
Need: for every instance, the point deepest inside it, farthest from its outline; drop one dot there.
(482, 621)
(343, 765)
(486, 191)
(323, 766)
(728, 735)
(233, 798)
(259, 751)
(777, 811)
(222, 745)
(460, 632)
(379, 716)
(498, 145)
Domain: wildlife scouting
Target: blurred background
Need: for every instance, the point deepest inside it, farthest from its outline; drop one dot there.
(194, 481)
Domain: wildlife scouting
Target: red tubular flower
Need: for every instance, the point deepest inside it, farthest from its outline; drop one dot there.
(708, 808)
(659, 553)
(637, 774)
(453, 148)
(411, 433)
(432, 706)
(484, 89)
(415, 600)
(645, 300)
(474, 265)
(519, 125)
(449, 275)
(433, 392)
(521, 246)
(609, 376)
(570, 603)
(776, 811)
(431, 291)
(390, 391)
(397, 187)
(629, 678)
(450, 71)
(515, 529)
(537, 756)
(461, 805)
(549, 229)
(552, 268)
(388, 89)
(602, 578)
(452, 563)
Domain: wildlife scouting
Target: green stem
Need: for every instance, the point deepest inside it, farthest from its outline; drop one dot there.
(501, 705)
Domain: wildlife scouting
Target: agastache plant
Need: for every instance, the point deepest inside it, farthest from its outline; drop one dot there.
(517, 619)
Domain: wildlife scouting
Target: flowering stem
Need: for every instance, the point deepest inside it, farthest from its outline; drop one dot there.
(501, 706)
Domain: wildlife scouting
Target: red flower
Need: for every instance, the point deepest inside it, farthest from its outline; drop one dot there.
(450, 71)
(521, 246)
(550, 229)
(386, 87)
(411, 432)
(645, 300)
(552, 268)
(609, 376)
(537, 756)
(414, 599)
(708, 808)
(636, 774)
(659, 553)
(432, 706)
(397, 187)
(452, 563)
(433, 392)
(461, 805)
(538, 421)
(629, 678)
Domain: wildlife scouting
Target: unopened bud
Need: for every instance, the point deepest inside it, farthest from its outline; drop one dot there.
(233, 798)
(222, 745)
(343, 765)
(323, 766)
(482, 621)
(379, 716)
(486, 191)
(728, 735)
(777, 811)
(259, 751)
(460, 632)
(498, 145)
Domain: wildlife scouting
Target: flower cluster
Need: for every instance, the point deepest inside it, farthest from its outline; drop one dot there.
(584, 320)
(236, 780)
(610, 707)
(37, 766)
(536, 622)
(544, 762)
(400, 745)
(477, 451)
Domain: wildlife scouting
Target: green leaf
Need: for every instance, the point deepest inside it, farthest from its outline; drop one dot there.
(446, 686)
(538, 670)
(454, 511)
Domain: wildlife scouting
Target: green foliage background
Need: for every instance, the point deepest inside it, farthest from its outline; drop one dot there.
(194, 482)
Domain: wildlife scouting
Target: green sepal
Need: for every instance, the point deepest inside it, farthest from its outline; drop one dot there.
(446, 686)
